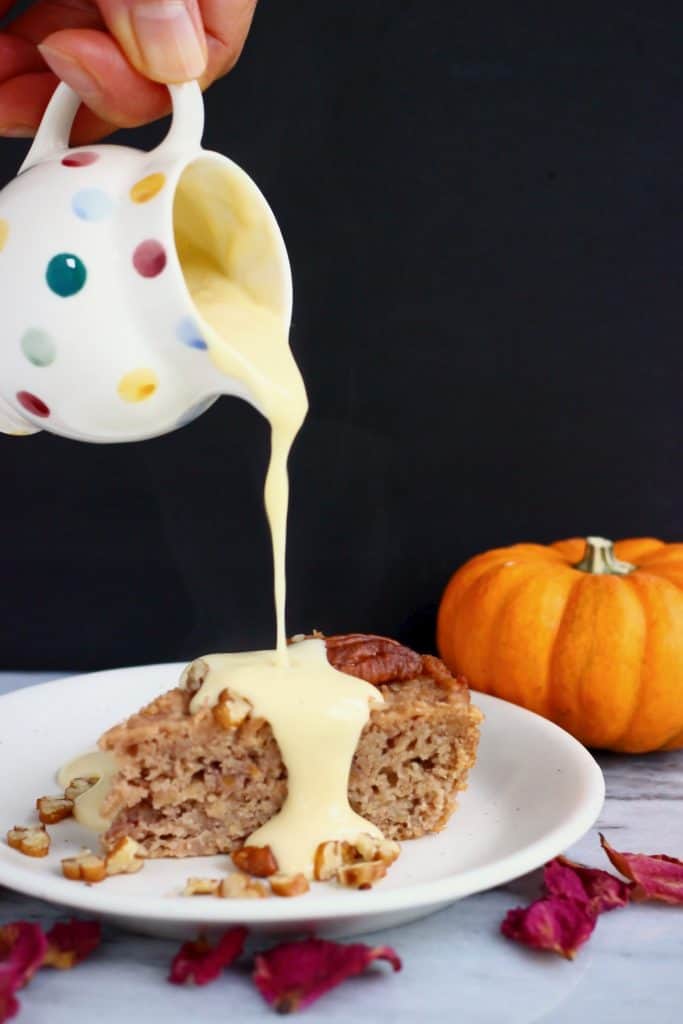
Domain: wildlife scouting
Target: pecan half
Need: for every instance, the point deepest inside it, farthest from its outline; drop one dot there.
(255, 860)
(376, 659)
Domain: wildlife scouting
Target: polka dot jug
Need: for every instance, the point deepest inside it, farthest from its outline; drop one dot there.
(101, 339)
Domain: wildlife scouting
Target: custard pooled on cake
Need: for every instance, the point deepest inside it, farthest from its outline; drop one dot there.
(192, 782)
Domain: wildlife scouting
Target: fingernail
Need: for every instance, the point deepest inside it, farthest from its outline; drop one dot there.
(71, 72)
(169, 41)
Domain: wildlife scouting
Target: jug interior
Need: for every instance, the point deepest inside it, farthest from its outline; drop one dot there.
(221, 221)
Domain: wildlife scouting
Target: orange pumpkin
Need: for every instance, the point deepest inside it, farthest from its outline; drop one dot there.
(586, 633)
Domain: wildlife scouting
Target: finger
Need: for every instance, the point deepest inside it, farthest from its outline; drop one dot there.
(22, 104)
(227, 24)
(91, 63)
(17, 56)
(163, 39)
(48, 16)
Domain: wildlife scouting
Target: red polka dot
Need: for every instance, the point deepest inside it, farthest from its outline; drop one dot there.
(80, 159)
(149, 259)
(32, 403)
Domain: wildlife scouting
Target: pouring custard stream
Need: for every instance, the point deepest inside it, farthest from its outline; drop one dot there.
(316, 713)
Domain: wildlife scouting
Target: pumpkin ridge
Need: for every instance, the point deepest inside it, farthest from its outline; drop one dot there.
(479, 640)
(542, 588)
(554, 710)
(646, 585)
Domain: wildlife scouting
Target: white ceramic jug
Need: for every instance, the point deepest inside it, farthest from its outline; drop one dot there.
(100, 337)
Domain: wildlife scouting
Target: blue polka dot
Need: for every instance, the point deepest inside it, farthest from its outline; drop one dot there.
(91, 204)
(194, 411)
(188, 332)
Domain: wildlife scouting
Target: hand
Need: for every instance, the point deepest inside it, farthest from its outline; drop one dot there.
(113, 53)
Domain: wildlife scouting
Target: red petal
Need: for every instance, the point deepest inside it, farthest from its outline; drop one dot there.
(295, 974)
(9, 1004)
(555, 924)
(656, 876)
(595, 889)
(200, 962)
(22, 951)
(69, 942)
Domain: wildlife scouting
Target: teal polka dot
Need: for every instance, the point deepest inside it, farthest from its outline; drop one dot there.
(65, 274)
(91, 204)
(38, 347)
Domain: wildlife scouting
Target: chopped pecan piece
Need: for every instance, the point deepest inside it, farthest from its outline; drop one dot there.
(52, 809)
(86, 867)
(329, 857)
(238, 886)
(77, 787)
(125, 857)
(362, 875)
(288, 885)
(255, 860)
(376, 659)
(231, 711)
(31, 840)
(370, 848)
(201, 887)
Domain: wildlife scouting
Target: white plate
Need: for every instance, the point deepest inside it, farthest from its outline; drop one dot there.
(533, 792)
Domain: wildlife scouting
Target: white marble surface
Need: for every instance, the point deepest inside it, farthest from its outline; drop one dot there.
(457, 967)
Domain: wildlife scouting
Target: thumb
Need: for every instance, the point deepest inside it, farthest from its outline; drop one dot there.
(163, 39)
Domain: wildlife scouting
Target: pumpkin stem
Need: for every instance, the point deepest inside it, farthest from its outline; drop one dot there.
(599, 559)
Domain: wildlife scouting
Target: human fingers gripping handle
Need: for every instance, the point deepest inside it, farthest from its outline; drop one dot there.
(163, 39)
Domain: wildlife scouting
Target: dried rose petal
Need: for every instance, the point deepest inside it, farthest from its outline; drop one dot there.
(294, 974)
(9, 1004)
(556, 924)
(22, 951)
(200, 962)
(597, 890)
(69, 942)
(656, 876)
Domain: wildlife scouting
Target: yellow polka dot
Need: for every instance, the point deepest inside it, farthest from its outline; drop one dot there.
(4, 233)
(147, 188)
(137, 385)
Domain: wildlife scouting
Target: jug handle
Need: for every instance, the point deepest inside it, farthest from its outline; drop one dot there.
(52, 137)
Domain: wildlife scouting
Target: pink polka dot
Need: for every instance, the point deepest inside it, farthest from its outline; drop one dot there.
(80, 159)
(32, 403)
(149, 258)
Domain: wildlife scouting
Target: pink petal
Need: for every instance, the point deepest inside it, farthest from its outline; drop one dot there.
(70, 942)
(294, 974)
(655, 876)
(9, 1004)
(22, 951)
(200, 962)
(597, 890)
(555, 924)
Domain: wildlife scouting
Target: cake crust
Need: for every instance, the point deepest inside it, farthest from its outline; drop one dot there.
(188, 787)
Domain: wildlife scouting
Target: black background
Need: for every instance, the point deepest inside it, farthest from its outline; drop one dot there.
(482, 205)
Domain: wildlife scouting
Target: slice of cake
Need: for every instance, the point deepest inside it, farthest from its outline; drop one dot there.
(197, 784)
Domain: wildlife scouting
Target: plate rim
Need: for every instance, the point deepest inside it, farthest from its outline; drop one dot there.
(340, 906)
